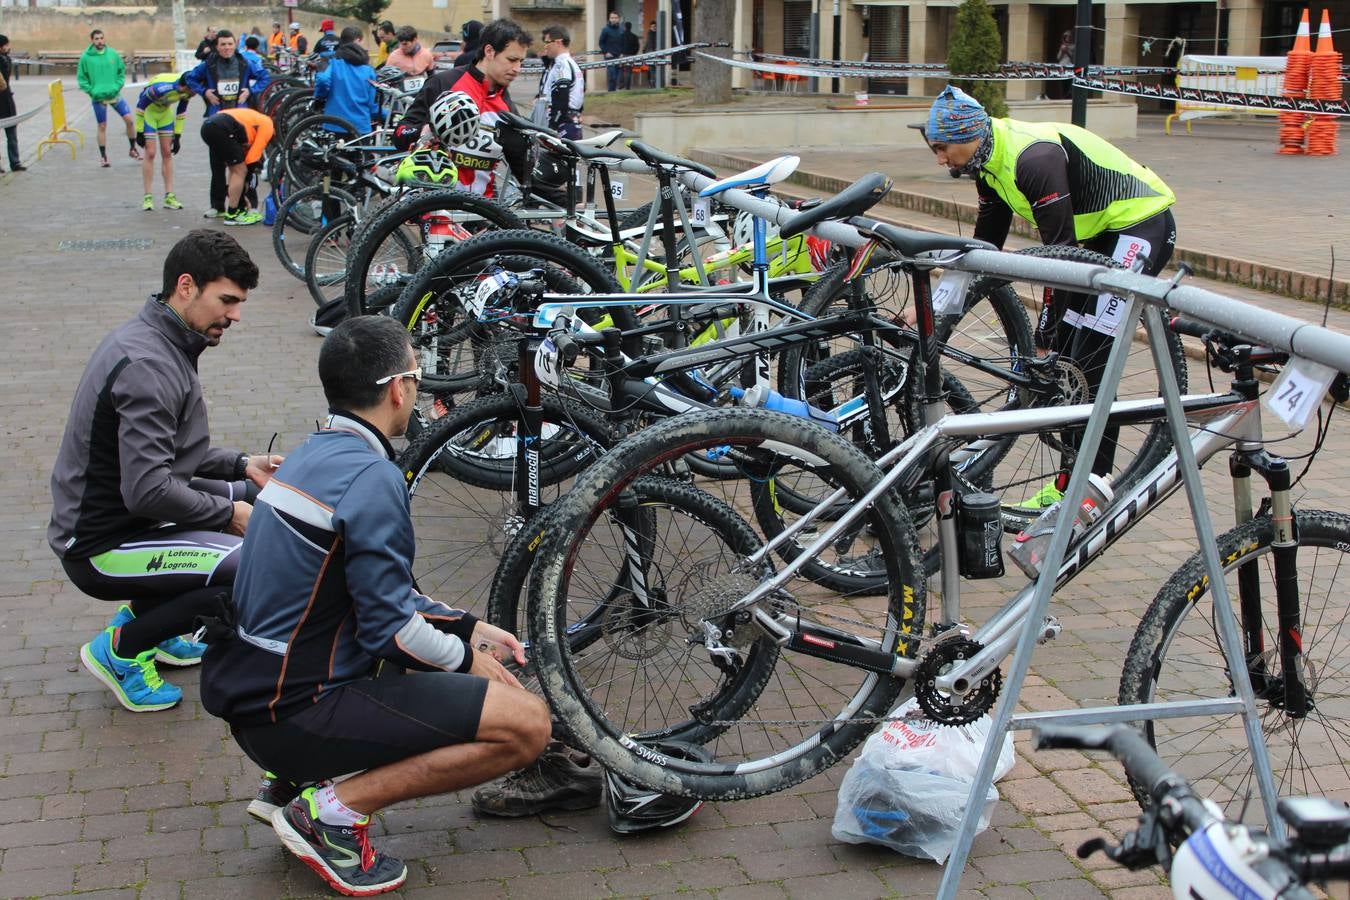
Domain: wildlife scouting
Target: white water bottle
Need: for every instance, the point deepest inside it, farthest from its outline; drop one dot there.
(1030, 547)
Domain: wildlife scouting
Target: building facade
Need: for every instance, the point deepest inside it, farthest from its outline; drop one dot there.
(916, 31)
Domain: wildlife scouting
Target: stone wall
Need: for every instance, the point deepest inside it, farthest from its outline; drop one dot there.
(148, 27)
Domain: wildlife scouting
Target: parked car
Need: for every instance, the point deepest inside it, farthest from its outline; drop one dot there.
(446, 52)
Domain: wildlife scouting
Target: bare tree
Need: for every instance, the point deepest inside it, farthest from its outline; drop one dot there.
(713, 23)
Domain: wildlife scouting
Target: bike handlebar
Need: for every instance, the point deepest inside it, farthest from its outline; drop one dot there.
(1121, 741)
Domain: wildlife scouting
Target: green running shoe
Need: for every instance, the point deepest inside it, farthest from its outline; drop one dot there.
(244, 217)
(171, 202)
(148, 203)
(1044, 498)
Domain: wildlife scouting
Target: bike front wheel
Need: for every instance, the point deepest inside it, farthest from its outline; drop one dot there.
(1176, 655)
(680, 633)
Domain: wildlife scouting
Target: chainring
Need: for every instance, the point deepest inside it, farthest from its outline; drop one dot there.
(944, 708)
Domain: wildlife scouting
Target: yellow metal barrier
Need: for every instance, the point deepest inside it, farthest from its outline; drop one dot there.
(59, 127)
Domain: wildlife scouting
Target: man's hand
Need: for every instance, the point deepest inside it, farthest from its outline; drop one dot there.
(243, 96)
(506, 644)
(261, 466)
(211, 97)
(485, 665)
(239, 520)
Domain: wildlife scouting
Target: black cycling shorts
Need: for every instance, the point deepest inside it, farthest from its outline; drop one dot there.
(367, 724)
(225, 136)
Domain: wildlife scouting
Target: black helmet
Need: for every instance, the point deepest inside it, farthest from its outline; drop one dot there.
(633, 809)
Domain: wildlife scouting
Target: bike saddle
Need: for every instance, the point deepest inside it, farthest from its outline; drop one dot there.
(756, 179)
(908, 242)
(853, 200)
(653, 157)
(603, 139)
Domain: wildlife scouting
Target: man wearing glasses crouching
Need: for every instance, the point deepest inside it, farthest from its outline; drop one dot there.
(324, 602)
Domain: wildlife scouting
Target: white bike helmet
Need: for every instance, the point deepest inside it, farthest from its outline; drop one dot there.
(454, 118)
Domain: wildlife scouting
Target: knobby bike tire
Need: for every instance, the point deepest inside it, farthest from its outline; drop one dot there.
(1175, 655)
(460, 475)
(378, 227)
(460, 354)
(758, 753)
(299, 214)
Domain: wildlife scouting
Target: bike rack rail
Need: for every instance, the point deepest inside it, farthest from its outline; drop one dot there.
(1145, 296)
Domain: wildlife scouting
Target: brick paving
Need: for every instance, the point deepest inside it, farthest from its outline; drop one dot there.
(97, 802)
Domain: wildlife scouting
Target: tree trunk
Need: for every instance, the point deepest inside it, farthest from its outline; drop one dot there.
(713, 23)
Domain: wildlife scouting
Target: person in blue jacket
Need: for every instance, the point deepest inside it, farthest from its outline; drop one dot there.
(226, 79)
(346, 86)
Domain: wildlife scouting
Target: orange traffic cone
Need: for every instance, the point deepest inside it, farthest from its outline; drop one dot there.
(1324, 84)
(1297, 72)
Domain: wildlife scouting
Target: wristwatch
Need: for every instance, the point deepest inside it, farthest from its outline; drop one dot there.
(241, 467)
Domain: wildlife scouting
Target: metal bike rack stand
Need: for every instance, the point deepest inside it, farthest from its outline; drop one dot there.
(1282, 332)
(1229, 638)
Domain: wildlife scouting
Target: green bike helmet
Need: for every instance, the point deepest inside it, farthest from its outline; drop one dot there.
(427, 167)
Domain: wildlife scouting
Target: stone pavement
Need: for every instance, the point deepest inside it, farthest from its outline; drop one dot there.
(99, 802)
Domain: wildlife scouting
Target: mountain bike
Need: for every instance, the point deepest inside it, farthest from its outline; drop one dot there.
(829, 664)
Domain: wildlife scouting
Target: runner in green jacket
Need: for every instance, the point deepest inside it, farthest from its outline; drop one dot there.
(101, 74)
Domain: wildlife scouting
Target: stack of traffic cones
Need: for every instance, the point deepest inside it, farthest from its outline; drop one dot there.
(1324, 84)
(1297, 70)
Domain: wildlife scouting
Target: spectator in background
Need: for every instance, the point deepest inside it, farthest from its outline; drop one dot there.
(345, 86)
(327, 43)
(275, 41)
(7, 108)
(471, 33)
(611, 45)
(650, 45)
(252, 43)
(631, 45)
(101, 74)
(385, 42)
(225, 79)
(563, 87)
(208, 44)
(411, 56)
(298, 43)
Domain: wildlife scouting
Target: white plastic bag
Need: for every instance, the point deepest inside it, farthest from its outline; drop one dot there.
(908, 788)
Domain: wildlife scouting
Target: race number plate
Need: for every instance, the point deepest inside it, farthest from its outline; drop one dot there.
(616, 188)
(228, 89)
(546, 363)
(949, 296)
(414, 84)
(702, 212)
(1298, 391)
